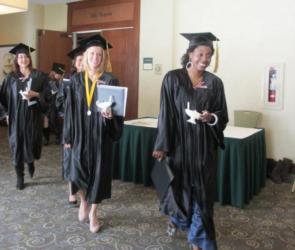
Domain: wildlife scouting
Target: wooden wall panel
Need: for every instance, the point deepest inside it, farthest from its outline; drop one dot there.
(119, 22)
(53, 46)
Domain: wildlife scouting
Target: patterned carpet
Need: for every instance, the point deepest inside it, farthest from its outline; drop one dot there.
(39, 217)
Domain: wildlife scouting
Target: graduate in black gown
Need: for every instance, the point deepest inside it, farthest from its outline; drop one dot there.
(90, 133)
(24, 94)
(76, 56)
(52, 121)
(193, 115)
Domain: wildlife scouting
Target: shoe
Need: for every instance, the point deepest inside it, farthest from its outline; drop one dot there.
(20, 185)
(171, 229)
(94, 224)
(73, 202)
(31, 168)
(46, 134)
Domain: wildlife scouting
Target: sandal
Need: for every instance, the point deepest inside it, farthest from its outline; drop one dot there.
(171, 229)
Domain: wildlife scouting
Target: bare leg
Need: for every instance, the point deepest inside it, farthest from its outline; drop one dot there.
(72, 197)
(196, 248)
(84, 208)
(94, 224)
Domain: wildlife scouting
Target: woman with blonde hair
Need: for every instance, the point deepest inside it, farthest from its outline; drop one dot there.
(90, 133)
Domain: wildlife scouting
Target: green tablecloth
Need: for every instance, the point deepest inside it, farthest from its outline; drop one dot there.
(241, 169)
(241, 166)
(132, 155)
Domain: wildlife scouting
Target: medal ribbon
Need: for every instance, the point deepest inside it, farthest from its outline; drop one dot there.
(89, 96)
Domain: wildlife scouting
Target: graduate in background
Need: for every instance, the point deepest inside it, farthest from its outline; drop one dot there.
(193, 115)
(90, 133)
(24, 95)
(52, 122)
(63, 107)
(77, 59)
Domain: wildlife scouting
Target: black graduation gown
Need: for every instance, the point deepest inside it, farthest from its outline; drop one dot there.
(2, 112)
(25, 122)
(191, 148)
(91, 140)
(63, 105)
(52, 113)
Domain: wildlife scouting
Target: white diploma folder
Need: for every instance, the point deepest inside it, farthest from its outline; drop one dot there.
(112, 96)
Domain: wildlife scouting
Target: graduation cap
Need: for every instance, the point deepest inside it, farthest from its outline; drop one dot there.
(96, 40)
(204, 38)
(21, 48)
(162, 177)
(76, 52)
(58, 68)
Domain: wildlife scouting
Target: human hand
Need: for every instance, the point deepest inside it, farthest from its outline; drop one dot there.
(31, 94)
(67, 145)
(107, 113)
(159, 155)
(205, 116)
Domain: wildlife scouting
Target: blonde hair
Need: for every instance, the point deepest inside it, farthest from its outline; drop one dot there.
(103, 64)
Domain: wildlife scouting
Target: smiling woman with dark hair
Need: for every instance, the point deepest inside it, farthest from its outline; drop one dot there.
(24, 94)
(193, 115)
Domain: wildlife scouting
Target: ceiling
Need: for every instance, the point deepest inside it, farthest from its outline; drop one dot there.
(45, 2)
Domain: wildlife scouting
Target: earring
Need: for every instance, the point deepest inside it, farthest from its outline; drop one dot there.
(188, 65)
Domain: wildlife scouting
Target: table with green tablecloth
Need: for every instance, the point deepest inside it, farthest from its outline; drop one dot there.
(241, 166)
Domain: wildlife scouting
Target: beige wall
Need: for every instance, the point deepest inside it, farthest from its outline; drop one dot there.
(156, 36)
(22, 27)
(55, 17)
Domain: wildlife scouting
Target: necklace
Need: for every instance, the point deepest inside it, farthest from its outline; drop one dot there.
(196, 80)
(89, 95)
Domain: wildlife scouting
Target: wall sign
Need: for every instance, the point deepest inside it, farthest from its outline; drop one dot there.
(147, 63)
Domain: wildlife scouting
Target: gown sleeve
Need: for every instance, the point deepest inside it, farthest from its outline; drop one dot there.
(4, 95)
(45, 94)
(166, 119)
(2, 112)
(65, 105)
(219, 108)
(60, 99)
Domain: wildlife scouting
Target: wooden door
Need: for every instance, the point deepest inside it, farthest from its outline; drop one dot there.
(125, 68)
(53, 46)
(119, 22)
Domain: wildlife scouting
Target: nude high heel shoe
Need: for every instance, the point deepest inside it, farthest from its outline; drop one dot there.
(94, 224)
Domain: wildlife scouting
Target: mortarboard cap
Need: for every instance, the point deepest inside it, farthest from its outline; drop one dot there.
(76, 52)
(58, 68)
(204, 35)
(21, 48)
(96, 40)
